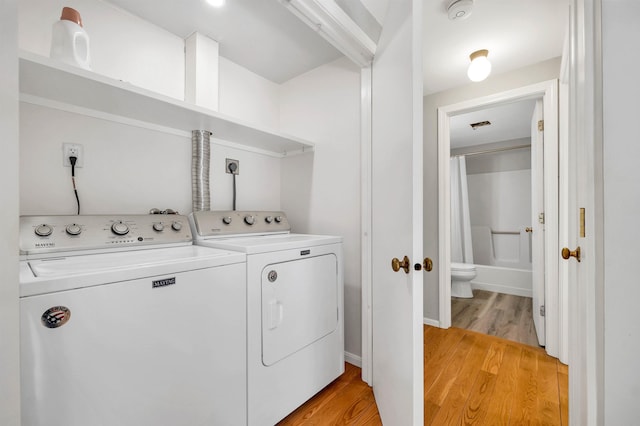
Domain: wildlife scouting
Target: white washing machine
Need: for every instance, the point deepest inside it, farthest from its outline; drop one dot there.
(295, 332)
(125, 322)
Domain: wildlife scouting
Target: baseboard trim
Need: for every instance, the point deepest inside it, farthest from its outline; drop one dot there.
(353, 359)
(431, 322)
(501, 289)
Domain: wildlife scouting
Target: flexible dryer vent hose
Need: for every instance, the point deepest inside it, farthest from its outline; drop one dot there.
(200, 160)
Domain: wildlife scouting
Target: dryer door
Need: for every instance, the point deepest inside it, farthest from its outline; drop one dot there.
(299, 305)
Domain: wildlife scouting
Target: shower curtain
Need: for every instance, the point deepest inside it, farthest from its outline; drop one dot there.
(461, 248)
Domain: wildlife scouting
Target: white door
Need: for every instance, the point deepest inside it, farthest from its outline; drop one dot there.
(396, 152)
(537, 221)
(586, 357)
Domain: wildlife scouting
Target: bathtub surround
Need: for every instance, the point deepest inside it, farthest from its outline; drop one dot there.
(500, 210)
(504, 248)
(500, 201)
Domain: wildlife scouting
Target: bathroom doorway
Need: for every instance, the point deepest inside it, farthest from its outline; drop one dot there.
(506, 268)
(493, 179)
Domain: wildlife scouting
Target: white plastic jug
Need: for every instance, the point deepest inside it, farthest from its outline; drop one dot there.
(69, 41)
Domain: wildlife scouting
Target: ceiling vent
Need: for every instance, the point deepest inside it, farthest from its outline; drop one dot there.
(459, 9)
(474, 126)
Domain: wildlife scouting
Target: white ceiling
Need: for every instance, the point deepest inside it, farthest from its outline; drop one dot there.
(508, 122)
(264, 37)
(261, 35)
(517, 33)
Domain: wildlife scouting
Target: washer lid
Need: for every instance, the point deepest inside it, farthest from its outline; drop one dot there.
(64, 273)
(270, 243)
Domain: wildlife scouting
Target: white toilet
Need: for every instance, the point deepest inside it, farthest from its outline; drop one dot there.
(461, 276)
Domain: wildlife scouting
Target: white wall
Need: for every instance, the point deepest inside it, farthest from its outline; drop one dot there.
(536, 73)
(247, 95)
(321, 190)
(621, 212)
(129, 169)
(123, 46)
(9, 318)
(128, 48)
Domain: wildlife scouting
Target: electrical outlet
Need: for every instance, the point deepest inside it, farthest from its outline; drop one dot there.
(232, 166)
(72, 150)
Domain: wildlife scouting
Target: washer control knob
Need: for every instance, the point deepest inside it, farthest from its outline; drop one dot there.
(43, 230)
(120, 228)
(158, 226)
(249, 220)
(278, 219)
(176, 226)
(74, 229)
(268, 219)
(226, 220)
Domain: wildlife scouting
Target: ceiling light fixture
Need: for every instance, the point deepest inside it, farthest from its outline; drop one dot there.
(459, 9)
(216, 3)
(480, 67)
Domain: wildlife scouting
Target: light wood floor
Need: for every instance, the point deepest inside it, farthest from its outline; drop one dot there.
(470, 379)
(496, 314)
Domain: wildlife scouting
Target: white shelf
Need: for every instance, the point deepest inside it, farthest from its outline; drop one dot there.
(58, 85)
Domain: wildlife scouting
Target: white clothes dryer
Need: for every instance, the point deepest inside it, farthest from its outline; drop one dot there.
(125, 322)
(295, 331)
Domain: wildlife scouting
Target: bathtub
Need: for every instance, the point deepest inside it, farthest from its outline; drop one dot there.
(503, 280)
(503, 260)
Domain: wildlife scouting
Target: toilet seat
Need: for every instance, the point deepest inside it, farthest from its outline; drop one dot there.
(462, 267)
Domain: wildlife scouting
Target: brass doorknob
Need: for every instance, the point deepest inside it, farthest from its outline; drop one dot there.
(566, 253)
(528, 229)
(428, 264)
(397, 264)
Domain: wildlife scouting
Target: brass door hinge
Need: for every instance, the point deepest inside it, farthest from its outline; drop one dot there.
(540, 125)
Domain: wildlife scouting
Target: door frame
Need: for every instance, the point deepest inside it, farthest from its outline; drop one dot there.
(585, 134)
(548, 91)
(538, 204)
(10, 201)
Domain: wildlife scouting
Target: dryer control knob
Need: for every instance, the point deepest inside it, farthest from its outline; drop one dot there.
(226, 220)
(278, 219)
(249, 220)
(74, 229)
(268, 219)
(176, 226)
(43, 230)
(158, 226)
(120, 228)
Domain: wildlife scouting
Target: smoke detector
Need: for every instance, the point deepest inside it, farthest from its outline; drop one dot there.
(460, 9)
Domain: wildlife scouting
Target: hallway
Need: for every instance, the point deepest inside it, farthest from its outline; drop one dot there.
(470, 379)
